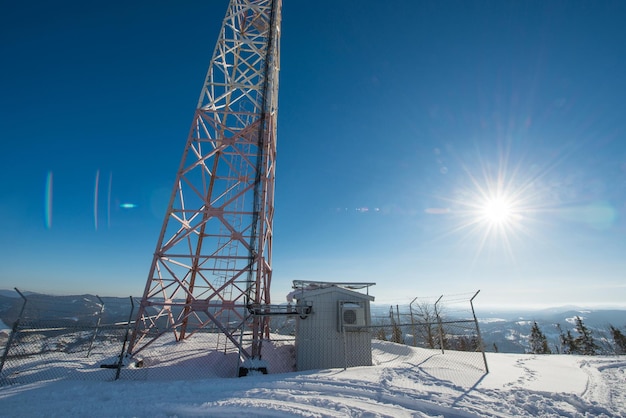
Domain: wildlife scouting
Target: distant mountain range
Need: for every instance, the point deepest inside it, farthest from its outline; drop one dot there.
(12, 293)
(503, 331)
(77, 310)
(508, 332)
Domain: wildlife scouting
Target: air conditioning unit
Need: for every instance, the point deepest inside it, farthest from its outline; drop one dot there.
(351, 316)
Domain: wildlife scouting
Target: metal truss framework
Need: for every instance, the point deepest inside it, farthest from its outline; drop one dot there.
(212, 265)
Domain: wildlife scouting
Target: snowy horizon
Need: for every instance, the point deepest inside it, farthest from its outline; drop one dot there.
(379, 303)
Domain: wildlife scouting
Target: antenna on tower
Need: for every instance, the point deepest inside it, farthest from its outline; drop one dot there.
(212, 267)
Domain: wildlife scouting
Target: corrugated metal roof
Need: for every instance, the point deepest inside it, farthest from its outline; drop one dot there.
(303, 293)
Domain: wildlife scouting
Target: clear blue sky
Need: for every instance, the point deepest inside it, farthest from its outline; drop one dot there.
(398, 122)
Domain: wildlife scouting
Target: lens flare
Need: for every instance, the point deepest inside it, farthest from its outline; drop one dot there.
(48, 201)
(109, 200)
(95, 200)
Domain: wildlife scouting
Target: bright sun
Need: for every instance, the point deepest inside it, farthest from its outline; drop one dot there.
(497, 211)
(495, 206)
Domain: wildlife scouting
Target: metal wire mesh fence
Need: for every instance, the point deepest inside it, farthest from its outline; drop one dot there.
(47, 344)
(446, 325)
(60, 337)
(41, 351)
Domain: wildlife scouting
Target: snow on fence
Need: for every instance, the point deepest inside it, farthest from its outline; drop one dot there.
(46, 344)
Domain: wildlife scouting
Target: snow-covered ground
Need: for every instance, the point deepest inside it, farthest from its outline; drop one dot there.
(403, 382)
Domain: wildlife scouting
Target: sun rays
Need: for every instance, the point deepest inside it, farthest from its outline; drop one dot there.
(494, 206)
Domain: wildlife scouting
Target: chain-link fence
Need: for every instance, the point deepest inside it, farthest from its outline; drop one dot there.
(47, 343)
(84, 338)
(63, 337)
(41, 351)
(446, 325)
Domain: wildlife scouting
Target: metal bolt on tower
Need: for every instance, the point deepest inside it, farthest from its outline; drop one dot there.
(213, 261)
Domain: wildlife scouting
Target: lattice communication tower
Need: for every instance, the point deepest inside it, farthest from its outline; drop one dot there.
(212, 266)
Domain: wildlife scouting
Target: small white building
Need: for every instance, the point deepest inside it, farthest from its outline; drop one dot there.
(332, 329)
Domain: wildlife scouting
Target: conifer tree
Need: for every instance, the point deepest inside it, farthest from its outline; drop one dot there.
(381, 334)
(619, 340)
(559, 347)
(538, 342)
(568, 343)
(396, 334)
(585, 342)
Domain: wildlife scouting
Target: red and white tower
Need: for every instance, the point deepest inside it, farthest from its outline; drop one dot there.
(212, 267)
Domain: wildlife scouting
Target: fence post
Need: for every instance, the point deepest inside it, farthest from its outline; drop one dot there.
(413, 323)
(121, 359)
(13, 331)
(440, 325)
(480, 340)
(95, 334)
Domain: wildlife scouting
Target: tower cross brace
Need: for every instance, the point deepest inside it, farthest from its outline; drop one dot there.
(212, 266)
